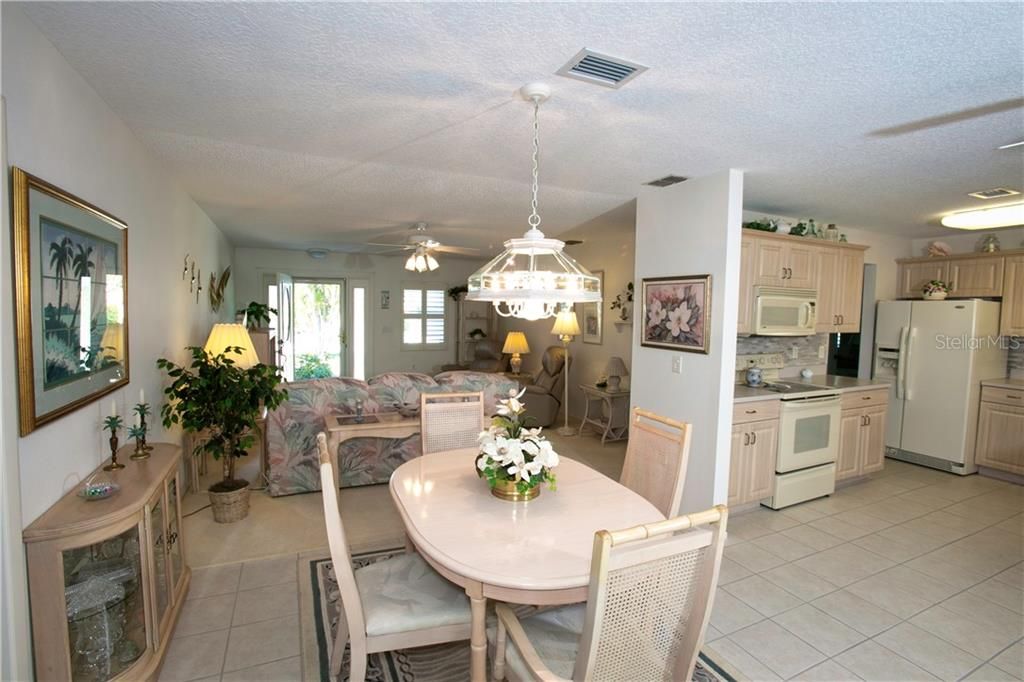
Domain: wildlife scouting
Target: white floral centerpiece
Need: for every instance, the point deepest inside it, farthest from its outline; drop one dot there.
(515, 459)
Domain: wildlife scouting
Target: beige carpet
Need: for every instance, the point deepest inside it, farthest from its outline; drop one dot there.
(294, 524)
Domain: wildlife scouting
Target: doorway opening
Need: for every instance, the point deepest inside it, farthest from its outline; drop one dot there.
(319, 329)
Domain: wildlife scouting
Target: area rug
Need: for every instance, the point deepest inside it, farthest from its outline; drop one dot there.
(320, 609)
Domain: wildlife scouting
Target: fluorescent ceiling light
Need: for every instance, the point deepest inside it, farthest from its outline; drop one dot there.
(1006, 215)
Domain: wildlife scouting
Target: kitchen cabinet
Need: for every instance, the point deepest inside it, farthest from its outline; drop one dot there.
(1011, 322)
(107, 579)
(752, 460)
(913, 276)
(861, 437)
(785, 264)
(1000, 443)
(840, 283)
(745, 315)
(976, 277)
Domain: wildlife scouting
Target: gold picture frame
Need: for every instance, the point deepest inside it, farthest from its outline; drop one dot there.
(74, 351)
(676, 313)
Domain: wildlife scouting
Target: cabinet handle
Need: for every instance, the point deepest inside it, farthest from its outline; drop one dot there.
(746, 439)
(790, 271)
(842, 319)
(867, 417)
(753, 437)
(751, 411)
(783, 273)
(862, 422)
(1012, 397)
(865, 397)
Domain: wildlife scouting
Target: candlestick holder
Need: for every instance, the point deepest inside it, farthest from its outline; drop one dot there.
(142, 449)
(139, 434)
(112, 424)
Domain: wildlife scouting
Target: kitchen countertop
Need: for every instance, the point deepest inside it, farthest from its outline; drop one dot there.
(747, 394)
(1017, 384)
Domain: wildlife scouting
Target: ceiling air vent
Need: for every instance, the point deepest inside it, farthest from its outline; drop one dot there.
(594, 67)
(996, 193)
(666, 181)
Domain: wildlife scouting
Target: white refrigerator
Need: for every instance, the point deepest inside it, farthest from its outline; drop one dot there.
(935, 354)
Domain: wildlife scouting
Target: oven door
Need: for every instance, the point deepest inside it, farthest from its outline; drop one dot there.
(808, 433)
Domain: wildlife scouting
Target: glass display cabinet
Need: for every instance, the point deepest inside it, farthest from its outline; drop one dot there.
(107, 578)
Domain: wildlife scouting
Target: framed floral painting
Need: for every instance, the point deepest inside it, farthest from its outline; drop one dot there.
(71, 301)
(676, 313)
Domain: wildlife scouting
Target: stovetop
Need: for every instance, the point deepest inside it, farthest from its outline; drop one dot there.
(793, 390)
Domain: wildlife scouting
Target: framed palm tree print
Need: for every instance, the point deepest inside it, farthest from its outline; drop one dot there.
(675, 313)
(71, 301)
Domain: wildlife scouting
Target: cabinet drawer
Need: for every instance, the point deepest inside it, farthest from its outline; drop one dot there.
(852, 400)
(1004, 396)
(755, 411)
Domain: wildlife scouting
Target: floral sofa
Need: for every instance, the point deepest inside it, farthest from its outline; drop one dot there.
(294, 465)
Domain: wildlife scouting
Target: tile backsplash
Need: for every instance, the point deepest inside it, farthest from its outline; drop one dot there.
(806, 347)
(1015, 365)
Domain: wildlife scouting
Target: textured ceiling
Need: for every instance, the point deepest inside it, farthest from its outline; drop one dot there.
(327, 124)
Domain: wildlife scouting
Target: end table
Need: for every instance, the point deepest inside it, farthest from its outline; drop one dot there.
(612, 413)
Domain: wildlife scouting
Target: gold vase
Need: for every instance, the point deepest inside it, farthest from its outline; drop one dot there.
(506, 490)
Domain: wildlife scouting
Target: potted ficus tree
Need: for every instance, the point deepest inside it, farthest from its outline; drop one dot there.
(215, 395)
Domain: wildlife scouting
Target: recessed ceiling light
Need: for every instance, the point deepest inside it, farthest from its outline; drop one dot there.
(1007, 215)
(317, 254)
(994, 193)
(1011, 145)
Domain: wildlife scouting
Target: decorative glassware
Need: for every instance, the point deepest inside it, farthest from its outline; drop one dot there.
(104, 604)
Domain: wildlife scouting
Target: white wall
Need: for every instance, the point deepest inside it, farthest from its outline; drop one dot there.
(384, 273)
(966, 241)
(884, 249)
(608, 244)
(60, 130)
(694, 228)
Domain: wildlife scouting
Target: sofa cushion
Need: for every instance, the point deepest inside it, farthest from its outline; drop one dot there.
(495, 387)
(400, 390)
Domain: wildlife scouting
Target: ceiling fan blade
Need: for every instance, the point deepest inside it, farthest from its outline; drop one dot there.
(456, 249)
(573, 242)
(397, 247)
(952, 117)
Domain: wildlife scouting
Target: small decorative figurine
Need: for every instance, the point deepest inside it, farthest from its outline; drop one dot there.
(113, 424)
(139, 431)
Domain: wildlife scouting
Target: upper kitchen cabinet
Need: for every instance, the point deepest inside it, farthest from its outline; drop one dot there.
(839, 285)
(784, 263)
(976, 277)
(913, 275)
(745, 315)
(1011, 322)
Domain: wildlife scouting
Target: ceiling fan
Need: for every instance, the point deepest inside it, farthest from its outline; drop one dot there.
(423, 248)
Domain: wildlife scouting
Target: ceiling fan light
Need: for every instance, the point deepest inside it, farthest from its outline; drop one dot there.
(1007, 215)
(431, 262)
(410, 264)
(421, 263)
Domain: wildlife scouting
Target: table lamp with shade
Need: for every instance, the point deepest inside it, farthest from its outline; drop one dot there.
(615, 370)
(224, 335)
(566, 326)
(515, 343)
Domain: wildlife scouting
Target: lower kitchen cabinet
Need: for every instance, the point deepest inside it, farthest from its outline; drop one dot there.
(1001, 430)
(861, 441)
(752, 464)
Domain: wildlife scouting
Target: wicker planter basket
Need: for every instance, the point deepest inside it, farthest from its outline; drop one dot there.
(230, 507)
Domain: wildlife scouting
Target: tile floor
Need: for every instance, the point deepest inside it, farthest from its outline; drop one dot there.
(912, 574)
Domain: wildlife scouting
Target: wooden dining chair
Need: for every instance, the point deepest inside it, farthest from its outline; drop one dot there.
(397, 603)
(450, 421)
(650, 599)
(656, 456)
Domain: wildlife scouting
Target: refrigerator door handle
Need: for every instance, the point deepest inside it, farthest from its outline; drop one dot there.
(901, 365)
(908, 393)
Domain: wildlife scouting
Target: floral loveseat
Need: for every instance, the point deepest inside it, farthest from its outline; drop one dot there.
(292, 428)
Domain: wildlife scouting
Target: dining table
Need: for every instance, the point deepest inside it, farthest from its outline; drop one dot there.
(536, 552)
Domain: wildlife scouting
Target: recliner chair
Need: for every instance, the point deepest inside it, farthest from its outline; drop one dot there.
(543, 395)
(487, 357)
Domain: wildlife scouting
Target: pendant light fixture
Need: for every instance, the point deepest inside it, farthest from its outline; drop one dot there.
(532, 278)
(421, 260)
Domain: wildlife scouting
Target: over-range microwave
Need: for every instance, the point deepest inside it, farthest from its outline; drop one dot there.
(785, 312)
